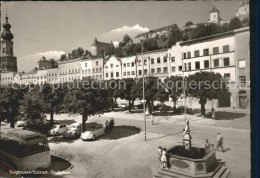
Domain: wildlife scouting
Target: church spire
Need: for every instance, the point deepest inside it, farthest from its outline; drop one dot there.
(6, 34)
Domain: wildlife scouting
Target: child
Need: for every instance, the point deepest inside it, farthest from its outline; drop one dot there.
(159, 151)
(164, 158)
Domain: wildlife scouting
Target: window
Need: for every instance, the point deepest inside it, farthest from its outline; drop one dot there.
(215, 50)
(216, 62)
(124, 65)
(227, 76)
(173, 69)
(86, 64)
(164, 59)
(3, 49)
(197, 65)
(185, 66)
(158, 70)
(106, 75)
(180, 68)
(128, 73)
(111, 65)
(152, 71)
(117, 65)
(93, 70)
(173, 59)
(128, 64)
(206, 64)
(133, 64)
(132, 73)
(152, 61)
(226, 49)
(242, 64)
(165, 69)
(226, 61)
(189, 65)
(196, 53)
(205, 52)
(140, 72)
(100, 69)
(158, 60)
(96, 63)
(145, 71)
(242, 79)
(184, 55)
(145, 61)
(189, 55)
(112, 75)
(117, 74)
(139, 62)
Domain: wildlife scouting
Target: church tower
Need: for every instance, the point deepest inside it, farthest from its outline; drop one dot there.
(8, 62)
(214, 15)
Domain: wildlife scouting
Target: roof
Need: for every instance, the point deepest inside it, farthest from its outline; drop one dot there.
(157, 30)
(207, 38)
(20, 135)
(69, 61)
(158, 50)
(214, 9)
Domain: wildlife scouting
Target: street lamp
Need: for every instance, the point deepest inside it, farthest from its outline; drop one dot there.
(143, 90)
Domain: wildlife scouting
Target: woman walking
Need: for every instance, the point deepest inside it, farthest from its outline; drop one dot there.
(164, 158)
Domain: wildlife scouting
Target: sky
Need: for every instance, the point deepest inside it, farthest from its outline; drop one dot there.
(52, 28)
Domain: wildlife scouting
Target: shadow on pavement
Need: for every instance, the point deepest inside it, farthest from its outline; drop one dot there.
(60, 139)
(121, 132)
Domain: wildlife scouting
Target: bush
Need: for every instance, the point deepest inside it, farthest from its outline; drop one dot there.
(165, 108)
(158, 107)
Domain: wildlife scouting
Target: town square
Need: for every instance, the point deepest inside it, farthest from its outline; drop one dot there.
(161, 96)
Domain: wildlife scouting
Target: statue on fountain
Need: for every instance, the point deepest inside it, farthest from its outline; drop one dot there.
(187, 136)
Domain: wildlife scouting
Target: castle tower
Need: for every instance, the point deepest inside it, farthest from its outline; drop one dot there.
(8, 62)
(243, 11)
(214, 15)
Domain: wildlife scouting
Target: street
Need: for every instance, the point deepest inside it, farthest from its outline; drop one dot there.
(129, 155)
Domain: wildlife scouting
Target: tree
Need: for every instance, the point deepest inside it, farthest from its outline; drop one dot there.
(9, 103)
(150, 90)
(62, 57)
(235, 23)
(52, 96)
(188, 24)
(118, 52)
(113, 90)
(74, 54)
(174, 88)
(126, 39)
(175, 35)
(126, 91)
(137, 48)
(33, 107)
(80, 51)
(206, 85)
(87, 99)
(199, 31)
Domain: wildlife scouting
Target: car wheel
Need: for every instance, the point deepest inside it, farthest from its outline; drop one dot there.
(94, 138)
(75, 135)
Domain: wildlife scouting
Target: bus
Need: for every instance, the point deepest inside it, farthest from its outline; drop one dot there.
(24, 150)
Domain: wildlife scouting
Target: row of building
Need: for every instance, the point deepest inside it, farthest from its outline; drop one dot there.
(227, 53)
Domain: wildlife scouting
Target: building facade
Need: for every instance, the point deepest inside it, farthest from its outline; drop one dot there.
(112, 68)
(129, 67)
(100, 48)
(52, 75)
(69, 70)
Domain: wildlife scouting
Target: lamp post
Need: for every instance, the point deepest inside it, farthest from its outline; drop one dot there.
(143, 91)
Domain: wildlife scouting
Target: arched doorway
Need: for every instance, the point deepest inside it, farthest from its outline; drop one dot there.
(243, 100)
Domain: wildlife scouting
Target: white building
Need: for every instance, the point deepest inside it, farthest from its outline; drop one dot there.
(69, 70)
(112, 68)
(129, 67)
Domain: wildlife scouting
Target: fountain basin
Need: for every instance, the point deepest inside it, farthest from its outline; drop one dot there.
(196, 162)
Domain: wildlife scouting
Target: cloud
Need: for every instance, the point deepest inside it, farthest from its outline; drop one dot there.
(118, 33)
(136, 27)
(29, 62)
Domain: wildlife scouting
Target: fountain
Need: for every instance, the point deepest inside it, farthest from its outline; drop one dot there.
(187, 161)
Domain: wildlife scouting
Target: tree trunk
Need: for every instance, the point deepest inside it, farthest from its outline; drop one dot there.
(202, 106)
(133, 105)
(174, 106)
(51, 117)
(12, 123)
(84, 119)
(129, 106)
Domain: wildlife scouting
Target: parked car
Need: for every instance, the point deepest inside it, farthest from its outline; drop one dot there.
(74, 131)
(122, 105)
(21, 123)
(180, 109)
(58, 129)
(93, 130)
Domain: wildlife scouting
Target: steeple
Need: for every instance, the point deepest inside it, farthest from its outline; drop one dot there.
(6, 34)
(95, 42)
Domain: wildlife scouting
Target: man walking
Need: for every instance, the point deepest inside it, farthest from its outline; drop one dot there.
(219, 142)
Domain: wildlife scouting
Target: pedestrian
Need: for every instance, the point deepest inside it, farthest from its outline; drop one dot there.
(213, 113)
(106, 126)
(159, 151)
(207, 144)
(219, 142)
(152, 119)
(164, 158)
